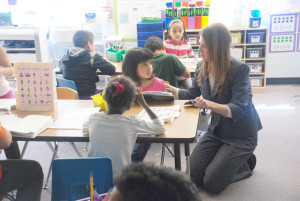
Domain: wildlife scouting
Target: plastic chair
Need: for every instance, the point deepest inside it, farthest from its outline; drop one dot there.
(66, 83)
(66, 93)
(70, 177)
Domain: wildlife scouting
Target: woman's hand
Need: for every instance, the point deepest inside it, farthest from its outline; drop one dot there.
(201, 103)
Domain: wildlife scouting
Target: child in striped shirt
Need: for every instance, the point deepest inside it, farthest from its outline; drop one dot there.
(178, 45)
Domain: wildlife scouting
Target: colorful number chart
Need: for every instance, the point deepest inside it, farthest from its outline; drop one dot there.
(35, 86)
(283, 23)
(282, 43)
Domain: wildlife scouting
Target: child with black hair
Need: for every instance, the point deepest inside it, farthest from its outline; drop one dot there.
(144, 182)
(81, 63)
(166, 66)
(177, 44)
(137, 65)
(176, 40)
(113, 135)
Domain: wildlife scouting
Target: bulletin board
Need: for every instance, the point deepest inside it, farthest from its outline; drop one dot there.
(131, 11)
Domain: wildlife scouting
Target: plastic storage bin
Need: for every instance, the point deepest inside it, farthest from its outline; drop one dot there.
(256, 81)
(255, 52)
(254, 22)
(236, 38)
(236, 53)
(255, 37)
(114, 55)
(141, 43)
(149, 27)
(255, 67)
(146, 35)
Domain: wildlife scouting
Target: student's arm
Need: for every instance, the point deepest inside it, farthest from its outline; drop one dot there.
(5, 66)
(5, 138)
(179, 68)
(104, 66)
(142, 102)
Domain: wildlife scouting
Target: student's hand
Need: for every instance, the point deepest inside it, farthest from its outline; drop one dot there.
(172, 89)
(140, 98)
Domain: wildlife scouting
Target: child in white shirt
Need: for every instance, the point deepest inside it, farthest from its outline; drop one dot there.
(113, 135)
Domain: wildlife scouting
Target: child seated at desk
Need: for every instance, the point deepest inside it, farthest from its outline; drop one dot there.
(81, 63)
(113, 135)
(165, 66)
(137, 65)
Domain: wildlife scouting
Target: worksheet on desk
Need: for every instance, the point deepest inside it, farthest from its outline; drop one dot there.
(73, 119)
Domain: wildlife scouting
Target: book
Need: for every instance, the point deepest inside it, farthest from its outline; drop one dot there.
(168, 114)
(29, 126)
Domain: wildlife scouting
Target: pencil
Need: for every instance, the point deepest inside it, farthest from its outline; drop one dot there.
(107, 195)
(91, 187)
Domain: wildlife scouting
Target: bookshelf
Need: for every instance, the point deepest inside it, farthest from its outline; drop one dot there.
(250, 46)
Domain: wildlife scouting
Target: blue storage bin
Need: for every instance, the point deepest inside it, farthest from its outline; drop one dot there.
(141, 43)
(255, 37)
(150, 27)
(254, 22)
(146, 35)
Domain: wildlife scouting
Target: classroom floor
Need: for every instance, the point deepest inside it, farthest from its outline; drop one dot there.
(277, 174)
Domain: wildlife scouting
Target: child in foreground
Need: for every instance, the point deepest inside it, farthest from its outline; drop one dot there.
(113, 135)
(138, 66)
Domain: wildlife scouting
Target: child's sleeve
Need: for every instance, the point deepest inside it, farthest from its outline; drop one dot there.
(156, 126)
(104, 66)
(190, 52)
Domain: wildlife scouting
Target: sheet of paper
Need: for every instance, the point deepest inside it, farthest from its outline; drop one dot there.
(73, 119)
(7, 104)
(168, 114)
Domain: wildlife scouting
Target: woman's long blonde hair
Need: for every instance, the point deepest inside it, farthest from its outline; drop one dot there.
(217, 39)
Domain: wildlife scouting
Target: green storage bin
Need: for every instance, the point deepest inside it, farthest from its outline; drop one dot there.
(114, 55)
(150, 19)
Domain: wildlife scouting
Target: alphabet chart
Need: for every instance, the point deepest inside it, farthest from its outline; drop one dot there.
(282, 43)
(35, 86)
(283, 23)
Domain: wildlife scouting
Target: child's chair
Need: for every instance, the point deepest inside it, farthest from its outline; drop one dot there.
(66, 83)
(66, 93)
(71, 176)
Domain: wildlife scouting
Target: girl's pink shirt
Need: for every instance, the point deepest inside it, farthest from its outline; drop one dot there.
(157, 85)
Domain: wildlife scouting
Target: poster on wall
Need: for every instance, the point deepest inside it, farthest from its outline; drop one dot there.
(282, 43)
(36, 86)
(283, 23)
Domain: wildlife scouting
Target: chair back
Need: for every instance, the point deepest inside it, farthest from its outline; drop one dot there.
(66, 83)
(70, 177)
(66, 93)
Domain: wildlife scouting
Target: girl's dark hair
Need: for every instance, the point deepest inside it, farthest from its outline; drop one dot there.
(81, 38)
(120, 100)
(132, 58)
(169, 28)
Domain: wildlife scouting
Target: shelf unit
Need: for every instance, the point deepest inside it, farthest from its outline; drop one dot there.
(253, 51)
(257, 75)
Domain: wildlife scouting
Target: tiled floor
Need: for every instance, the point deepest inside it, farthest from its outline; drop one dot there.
(277, 174)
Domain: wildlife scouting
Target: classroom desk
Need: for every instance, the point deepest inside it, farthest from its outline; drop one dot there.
(182, 130)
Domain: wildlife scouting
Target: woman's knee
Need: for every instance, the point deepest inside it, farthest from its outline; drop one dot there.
(213, 185)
